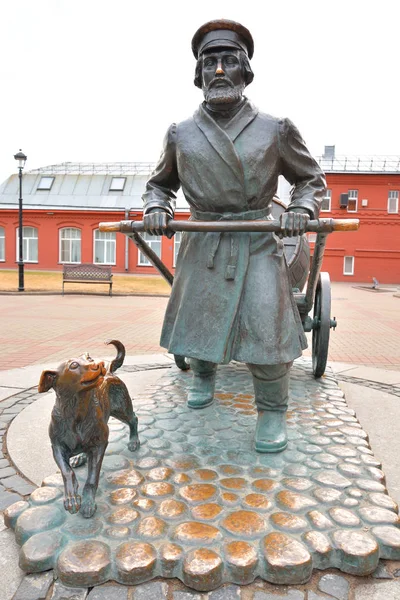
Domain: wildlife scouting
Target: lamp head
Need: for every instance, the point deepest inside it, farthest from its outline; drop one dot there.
(21, 158)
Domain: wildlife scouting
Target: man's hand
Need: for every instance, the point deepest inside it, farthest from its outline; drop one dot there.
(293, 223)
(156, 223)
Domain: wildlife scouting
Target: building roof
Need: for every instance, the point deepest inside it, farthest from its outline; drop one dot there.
(82, 186)
(360, 164)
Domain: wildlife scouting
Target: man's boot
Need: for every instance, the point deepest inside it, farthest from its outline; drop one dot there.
(201, 391)
(272, 400)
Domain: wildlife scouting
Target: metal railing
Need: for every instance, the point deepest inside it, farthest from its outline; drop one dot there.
(111, 168)
(339, 164)
(360, 164)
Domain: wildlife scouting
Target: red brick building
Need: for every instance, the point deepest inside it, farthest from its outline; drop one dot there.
(367, 189)
(63, 205)
(62, 208)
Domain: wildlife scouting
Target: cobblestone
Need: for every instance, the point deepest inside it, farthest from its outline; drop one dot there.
(12, 486)
(109, 592)
(335, 586)
(8, 402)
(156, 590)
(386, 590)
(5, 419)
(8, 498)
(148, 367)
(227, 592)
(18, 484)
(380, 387)
(13, 410)
(289, 595)
(313, 596)
(187, 595)
(61, 592)
(7, 472)
(34, 587)
(382, 573)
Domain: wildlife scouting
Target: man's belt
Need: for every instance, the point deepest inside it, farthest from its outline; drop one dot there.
(248, 215)
(215, 238)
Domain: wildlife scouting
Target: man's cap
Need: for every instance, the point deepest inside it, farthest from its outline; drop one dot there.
(222, 33)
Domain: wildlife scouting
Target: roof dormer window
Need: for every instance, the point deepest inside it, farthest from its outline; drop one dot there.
(117, 184)
(45, 183)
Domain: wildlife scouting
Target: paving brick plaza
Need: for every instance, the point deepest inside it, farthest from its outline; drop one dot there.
(47, 328)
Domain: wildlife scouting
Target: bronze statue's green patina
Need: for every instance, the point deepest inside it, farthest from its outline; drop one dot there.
(231, 298)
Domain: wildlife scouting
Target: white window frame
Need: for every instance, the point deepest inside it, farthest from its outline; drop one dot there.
(328, 196)
(311, 238)
(25, 259)
(118, 187)
(109, 239)
(352, 195)
(150, 240)
(2, 244)
(352, 265)
(48, 186)
(393, 195)
(177, 245)
(70, 239)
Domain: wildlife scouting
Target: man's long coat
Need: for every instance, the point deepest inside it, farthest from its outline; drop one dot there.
(231, 297)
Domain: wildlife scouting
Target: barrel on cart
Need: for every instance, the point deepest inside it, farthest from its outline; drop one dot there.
(297, 252)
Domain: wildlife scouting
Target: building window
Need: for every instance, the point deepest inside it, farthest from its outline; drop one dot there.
(393, 202)
(117, 184)
(312, 237)
(353, 201)
(104, 247)
(348, 265)
(177, 245)
(326, 201)
(70, 245)
(154, 241)
(30, 244)
(2, 244)
(45, 183)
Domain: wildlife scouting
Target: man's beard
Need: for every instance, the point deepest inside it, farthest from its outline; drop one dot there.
(223, 95)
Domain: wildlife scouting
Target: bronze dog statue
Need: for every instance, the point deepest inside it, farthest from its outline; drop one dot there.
(87, 394)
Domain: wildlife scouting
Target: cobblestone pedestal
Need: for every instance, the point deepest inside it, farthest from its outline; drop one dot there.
(196, 501)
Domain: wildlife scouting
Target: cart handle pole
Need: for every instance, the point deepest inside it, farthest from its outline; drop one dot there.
(317, 226)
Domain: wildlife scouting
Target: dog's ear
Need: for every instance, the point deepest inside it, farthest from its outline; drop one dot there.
(47, 380)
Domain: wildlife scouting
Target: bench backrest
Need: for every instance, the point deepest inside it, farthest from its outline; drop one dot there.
(87, 271)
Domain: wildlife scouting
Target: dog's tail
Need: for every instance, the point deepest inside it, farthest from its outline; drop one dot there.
(119, 359)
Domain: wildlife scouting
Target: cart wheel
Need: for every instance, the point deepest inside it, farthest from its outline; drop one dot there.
(181, 362)
(322, 325)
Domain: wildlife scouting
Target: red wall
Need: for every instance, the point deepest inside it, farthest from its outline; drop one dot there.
(87, 221)
(376, 245)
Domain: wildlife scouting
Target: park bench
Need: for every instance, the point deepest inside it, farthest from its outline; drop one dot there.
(87, 273)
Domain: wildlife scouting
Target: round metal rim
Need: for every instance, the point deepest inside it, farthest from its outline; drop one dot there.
(320, 335)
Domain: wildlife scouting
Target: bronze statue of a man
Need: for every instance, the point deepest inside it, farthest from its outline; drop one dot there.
(231, 298)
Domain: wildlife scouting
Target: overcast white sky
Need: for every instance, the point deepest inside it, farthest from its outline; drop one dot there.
(95, 80)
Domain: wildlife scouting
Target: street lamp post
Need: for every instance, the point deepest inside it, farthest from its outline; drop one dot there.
(21, 158)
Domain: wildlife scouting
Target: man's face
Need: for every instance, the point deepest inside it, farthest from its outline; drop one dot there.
(223, 81)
